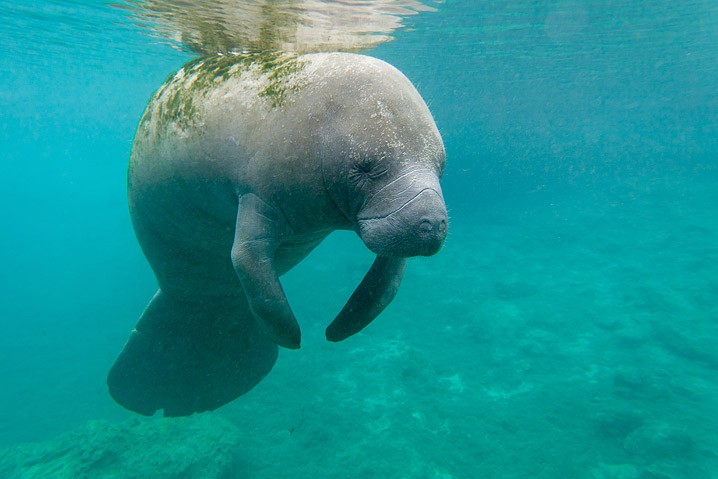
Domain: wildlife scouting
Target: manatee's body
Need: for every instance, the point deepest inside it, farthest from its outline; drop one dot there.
(241, 165)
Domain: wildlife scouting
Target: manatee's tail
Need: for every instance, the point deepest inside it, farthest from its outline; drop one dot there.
(190, 357)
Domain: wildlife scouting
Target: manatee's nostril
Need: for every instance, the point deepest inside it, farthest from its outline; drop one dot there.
(442, 226)
(433, 227)
(426, 226)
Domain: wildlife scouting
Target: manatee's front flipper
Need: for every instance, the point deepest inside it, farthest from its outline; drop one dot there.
(373, 294)
(258, 233)
(187, 357)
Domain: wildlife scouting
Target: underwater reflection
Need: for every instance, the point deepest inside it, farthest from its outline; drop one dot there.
(302, 26)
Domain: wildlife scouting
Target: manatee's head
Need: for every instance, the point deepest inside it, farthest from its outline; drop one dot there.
(405, 215)
(382, 158)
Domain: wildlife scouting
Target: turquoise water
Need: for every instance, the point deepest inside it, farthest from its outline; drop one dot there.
(568, 328)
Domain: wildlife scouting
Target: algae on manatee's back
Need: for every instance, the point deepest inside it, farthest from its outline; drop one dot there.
(273, 74)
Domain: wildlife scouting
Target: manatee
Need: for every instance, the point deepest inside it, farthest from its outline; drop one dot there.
(241, 165)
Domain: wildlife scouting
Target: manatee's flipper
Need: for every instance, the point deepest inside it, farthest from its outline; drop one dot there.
(258, 233)
(373, 294)
(187, 357)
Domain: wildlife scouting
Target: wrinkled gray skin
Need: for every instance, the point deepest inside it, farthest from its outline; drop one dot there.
(231, 190)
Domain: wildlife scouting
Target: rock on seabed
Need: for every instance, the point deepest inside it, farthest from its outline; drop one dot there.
(200, 446)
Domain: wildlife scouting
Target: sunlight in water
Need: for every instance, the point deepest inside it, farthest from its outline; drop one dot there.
(288, 25)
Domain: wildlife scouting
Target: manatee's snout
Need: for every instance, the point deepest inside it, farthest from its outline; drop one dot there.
(425, 221)
(417, 228)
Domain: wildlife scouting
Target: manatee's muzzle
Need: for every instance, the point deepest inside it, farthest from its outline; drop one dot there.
(415, 224)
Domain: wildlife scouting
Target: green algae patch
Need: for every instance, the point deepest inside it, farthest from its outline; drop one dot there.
(279, 71)
(176, 102)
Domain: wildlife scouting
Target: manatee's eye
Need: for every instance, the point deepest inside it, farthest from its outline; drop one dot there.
(364, 166)
(369, 168)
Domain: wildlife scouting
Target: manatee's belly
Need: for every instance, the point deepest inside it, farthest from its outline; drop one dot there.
(188, 250)
(189, 244)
